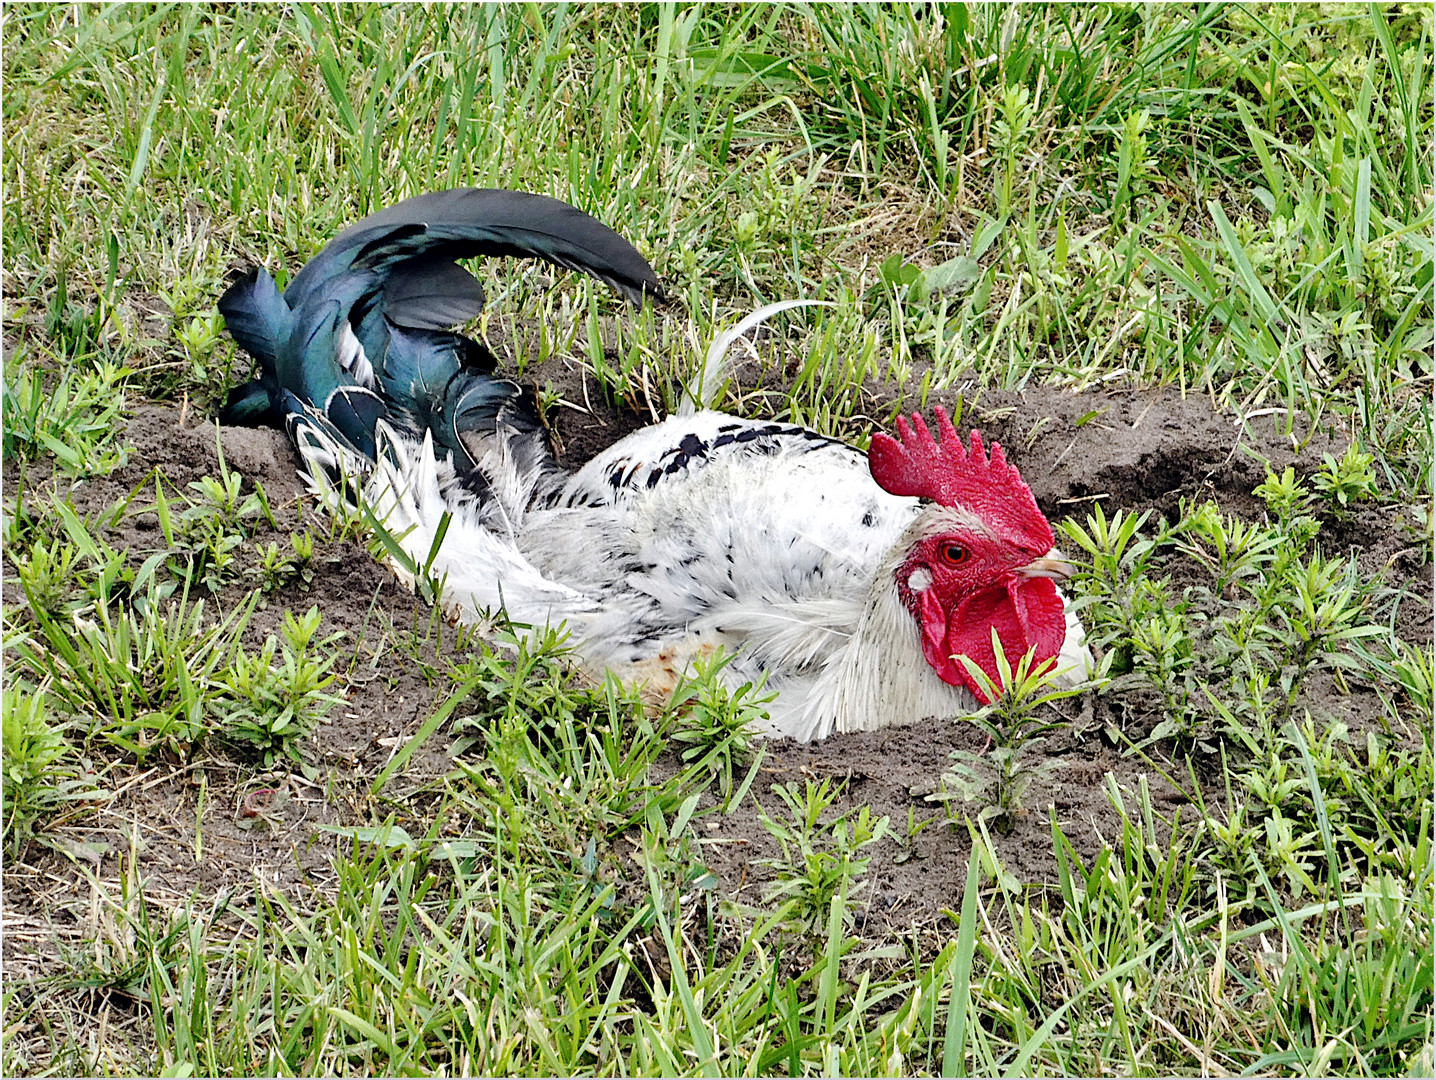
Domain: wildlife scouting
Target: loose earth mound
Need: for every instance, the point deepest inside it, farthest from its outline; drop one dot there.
(1130, 450)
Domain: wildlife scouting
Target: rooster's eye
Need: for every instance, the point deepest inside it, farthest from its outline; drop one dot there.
(953, 554)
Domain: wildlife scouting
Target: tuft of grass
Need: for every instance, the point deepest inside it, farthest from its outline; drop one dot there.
(140, 678)
(73, 418)
(134, 663)
(42, 772)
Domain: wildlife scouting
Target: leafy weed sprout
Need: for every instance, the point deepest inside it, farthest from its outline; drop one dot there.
(273, 706)
(715, 727)
(210, 528)
(277, 569)
(1016, 725)
(1345, 481)
(821, 865)
(47, 574)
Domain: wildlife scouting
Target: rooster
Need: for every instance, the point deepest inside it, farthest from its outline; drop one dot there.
(853, 583)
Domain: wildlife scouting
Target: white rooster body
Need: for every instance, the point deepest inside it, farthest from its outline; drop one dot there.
(705, 531)
(849, 582)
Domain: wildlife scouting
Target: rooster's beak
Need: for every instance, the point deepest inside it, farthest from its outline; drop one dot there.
(1048, 567)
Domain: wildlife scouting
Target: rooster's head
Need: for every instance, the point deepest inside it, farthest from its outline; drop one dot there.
(980, 556)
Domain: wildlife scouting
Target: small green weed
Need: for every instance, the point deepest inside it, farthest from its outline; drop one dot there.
(1284, 495)
(1347, 481)
(1414, 670)
(821, 862)
(48, 573)
(273, 708)
(1289, 501)
(715, 726)
(207, 533)
(41, 768)
(1015, 726)
(277, 568)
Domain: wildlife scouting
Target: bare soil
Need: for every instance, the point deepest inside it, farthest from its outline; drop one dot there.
(216, 825)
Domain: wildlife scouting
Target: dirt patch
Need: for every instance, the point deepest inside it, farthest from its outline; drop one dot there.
(916, 874)
(1135, 449)
(215, 825)
(581, 420)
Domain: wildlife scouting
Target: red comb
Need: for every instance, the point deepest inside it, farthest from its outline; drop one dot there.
(948, 473)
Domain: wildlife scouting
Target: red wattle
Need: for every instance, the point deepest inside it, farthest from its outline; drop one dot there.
(1026, 615)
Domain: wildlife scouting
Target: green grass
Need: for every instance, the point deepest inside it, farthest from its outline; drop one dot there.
(1234, 200)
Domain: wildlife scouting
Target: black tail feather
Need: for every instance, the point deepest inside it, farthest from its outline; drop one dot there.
(256, 315)
(432, 294)
(466, 222)
(362, 331)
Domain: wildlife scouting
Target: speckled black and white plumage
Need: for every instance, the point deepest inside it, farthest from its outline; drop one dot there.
(705, 531)
(708, 531)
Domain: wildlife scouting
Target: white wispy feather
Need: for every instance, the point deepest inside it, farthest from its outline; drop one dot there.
(702, 392)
